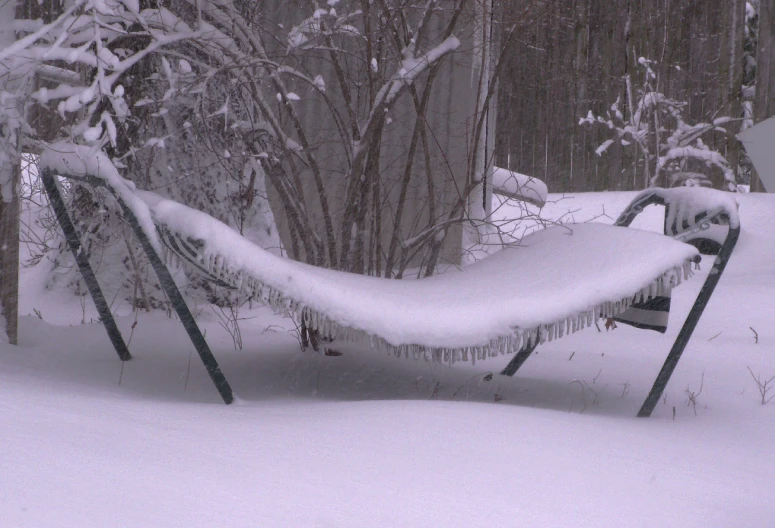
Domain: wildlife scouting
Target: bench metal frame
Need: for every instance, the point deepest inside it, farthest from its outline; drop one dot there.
(701, 222)
(165, 279)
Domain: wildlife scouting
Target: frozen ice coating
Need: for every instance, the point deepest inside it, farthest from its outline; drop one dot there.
(553, 282)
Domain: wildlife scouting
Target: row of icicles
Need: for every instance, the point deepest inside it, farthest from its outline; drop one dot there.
(216, 267)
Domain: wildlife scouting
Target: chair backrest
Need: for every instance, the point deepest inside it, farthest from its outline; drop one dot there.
(698, 216)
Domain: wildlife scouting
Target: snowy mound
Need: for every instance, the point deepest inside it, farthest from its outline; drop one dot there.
(519, 186)
(553, 282)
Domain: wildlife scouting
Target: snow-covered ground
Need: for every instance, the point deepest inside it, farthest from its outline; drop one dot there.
(369, 440)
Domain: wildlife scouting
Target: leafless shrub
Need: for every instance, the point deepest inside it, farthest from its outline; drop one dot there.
(763, 386)
(587, 389)
(229, 320)
(692, 396)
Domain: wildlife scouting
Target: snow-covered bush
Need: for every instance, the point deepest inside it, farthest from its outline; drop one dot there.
(143, 85)
(653, 125)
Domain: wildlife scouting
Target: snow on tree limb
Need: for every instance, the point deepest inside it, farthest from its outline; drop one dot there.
(656, 130)
(604, 146)
(710, 157)
(22, 44)
(408, 72)
(68, 159)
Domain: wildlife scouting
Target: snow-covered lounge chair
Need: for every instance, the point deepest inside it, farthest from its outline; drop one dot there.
(552, 283)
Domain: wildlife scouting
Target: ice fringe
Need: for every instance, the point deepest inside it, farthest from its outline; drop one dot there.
(179, 249)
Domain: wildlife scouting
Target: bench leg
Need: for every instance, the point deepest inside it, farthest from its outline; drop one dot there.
(519, 358)
(181, 308)
(691, 322)
(82, 260)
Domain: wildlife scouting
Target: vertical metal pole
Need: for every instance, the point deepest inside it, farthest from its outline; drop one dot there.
(689, 325)
(74, 241)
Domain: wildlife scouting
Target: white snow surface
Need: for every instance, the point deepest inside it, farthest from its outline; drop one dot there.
(688, 202)
(365, 440)
(550, 276)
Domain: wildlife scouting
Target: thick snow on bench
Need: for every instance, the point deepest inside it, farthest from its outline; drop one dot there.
(553, 282)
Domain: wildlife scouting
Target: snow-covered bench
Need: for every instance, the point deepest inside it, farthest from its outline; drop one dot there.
(552, 283)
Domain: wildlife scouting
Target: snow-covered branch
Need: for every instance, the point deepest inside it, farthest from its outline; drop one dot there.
(662, 141)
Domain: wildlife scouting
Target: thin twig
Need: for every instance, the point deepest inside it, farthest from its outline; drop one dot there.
(763, 386)
(188, 369)
(487, 377)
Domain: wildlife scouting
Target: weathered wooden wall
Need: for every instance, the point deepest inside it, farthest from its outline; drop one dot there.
(573, 58)
(435, 184)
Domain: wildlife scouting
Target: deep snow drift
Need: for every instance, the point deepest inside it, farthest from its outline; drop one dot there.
(370, 440)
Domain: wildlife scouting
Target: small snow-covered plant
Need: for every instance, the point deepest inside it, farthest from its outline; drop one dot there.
(664, 144)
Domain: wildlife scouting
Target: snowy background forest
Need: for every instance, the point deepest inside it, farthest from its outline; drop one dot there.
(390, 139)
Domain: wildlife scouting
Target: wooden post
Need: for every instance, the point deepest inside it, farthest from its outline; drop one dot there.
(9, 247)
